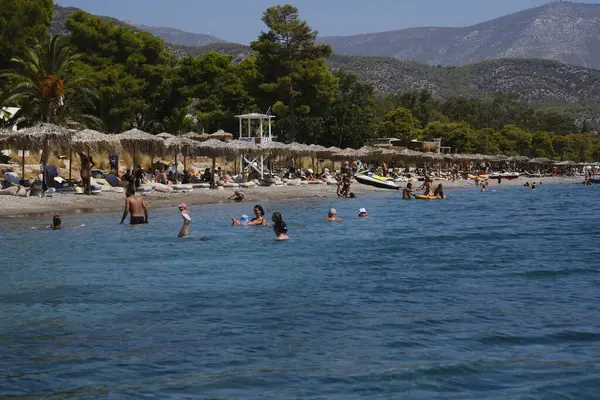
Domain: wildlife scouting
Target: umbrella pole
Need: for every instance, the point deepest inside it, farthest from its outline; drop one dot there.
(23, 165)
(70, 164)
(44, 163)
(214, 169)
(89, 186)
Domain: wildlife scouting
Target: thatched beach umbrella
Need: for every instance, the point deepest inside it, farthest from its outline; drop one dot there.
(215, 148)
(89, 140)
(541, 161)
(221, 135)
(165, 135)
(273, 148)
(201, 137)
(135, 140)
(43, 137)
(181, 145)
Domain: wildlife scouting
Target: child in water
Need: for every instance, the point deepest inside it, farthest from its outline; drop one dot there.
(279, 227)
(439, 191)
(244, 220)
(185, 229)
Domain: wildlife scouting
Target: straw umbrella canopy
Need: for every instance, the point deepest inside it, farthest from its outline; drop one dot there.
(274, 148)
(343, 154)
(165, 135)
(541, 160)
(215, 148)
(517, 159)
(89, 140)
(221, 135)
(181, 145)
(43, 136)
(299, 149)
(135, 140)
(243, 147)
(201, 137)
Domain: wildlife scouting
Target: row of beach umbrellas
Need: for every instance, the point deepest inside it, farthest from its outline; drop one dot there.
(48, 137)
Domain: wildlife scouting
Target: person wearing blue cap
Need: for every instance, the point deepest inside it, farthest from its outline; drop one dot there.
(244, 220)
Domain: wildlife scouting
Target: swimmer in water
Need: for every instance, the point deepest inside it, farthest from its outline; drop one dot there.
(279, 227)
(57, 224)
(332, 216)
(244, 220)
(408, 192)
(484, 185)
(439, 191)
(185, 229)
(362, 213)
(237, 196)
(259, 212)
(533, 186)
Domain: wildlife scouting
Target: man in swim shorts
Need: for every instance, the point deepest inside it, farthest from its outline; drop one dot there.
(136, 206)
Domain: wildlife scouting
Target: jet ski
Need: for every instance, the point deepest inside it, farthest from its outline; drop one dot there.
(376, 180)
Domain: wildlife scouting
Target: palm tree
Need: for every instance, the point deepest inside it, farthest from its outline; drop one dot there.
(45, 78)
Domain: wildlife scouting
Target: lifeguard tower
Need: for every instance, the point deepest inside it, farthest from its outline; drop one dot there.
(255, 132)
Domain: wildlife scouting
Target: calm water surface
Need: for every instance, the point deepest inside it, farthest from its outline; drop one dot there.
(482, 296)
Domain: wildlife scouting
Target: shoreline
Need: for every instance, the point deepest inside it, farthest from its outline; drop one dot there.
(12, 207)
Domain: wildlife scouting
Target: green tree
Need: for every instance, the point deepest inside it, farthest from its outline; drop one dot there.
(217, 88)
(400, 124)
(23, 23)
(349, 120)
(487, 141)
(563, 146)
(44, 82)
(457, 135)
(541, 144)
(293, 77)
(135, 72)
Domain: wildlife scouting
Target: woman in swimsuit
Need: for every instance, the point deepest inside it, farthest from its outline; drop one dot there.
(279, 227)
(185, 229)
(260, 216)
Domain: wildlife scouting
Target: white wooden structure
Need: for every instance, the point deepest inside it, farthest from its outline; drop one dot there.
(257, 135)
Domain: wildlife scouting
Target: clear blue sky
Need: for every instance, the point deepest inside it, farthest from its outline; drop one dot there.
(239, 20)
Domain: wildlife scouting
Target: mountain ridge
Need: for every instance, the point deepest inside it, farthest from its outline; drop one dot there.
(563, 31)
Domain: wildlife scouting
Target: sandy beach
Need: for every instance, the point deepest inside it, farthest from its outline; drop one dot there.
(12, 206)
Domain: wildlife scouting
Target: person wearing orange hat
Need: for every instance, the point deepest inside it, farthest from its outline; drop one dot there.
(185, 229)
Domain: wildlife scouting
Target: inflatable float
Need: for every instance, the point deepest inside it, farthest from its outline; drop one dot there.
(423, 197)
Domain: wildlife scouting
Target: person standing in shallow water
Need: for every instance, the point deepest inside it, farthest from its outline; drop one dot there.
(185, 229)
(279, 227)
(136, 206)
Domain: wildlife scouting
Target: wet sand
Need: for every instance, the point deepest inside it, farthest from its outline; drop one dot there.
(11, 206)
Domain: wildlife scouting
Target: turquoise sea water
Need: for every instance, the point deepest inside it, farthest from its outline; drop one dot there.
(481, 296)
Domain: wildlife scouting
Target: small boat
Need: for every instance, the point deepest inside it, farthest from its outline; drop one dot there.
(423, 197)
(504, 175)
(595, 181)
(376, 180)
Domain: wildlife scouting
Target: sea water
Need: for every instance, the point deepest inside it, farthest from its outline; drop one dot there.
(481, 296)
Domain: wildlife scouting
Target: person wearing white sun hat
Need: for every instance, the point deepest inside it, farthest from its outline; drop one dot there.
(362, 213)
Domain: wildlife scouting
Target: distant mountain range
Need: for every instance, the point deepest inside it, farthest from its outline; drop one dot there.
(560, 30)
(169, 35)
(538, 81)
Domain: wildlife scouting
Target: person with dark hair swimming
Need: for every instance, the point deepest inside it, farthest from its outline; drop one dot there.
(259, 212)
(57, 224)
(279, 227)
(136, 206)
(408, 192)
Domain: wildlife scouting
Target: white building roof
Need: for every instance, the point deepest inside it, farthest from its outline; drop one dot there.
(255, 116)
